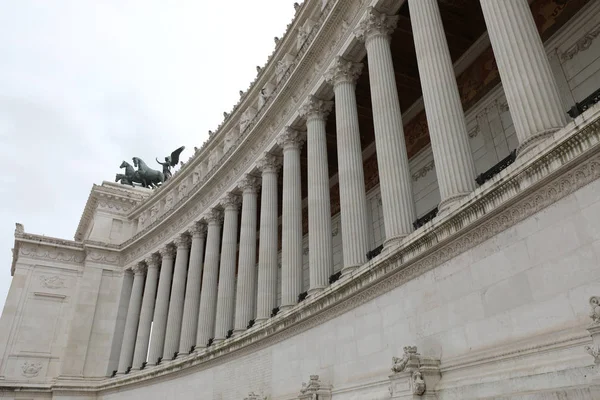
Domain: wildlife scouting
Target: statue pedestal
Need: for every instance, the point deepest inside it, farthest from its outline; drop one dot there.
(415, 376)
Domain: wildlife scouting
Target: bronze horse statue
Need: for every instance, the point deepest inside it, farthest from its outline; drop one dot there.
(150, 177)
(130, 176)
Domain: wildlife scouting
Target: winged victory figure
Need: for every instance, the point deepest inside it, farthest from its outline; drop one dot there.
(170, 161)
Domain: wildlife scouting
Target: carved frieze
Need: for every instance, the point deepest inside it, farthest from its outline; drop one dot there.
(52, 282)
(51, 254)
(423, 171)
(582, 44)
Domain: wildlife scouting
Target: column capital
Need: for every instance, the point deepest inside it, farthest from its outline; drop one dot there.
(375, 23)
(230, 201)
(168, 251)
(183, 241)
(214, 217)
(198, 229)
(249, 184)
(139, 268)
(269, 163)
(343, 71)
(290, 138)
(314, 107)
(152, 261)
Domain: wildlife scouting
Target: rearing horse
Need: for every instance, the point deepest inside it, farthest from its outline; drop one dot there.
(149, 177)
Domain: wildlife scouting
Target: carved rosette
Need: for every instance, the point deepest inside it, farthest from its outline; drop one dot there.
(153, 261)
(230, 201)
(315, 108)
(31, 369)
(214, 217)
(139, 268)
(269, 163)
(198, 230)
(291, 138)
(343, 71)
(168, 251)
(183, 241)
(375, 23)
(249, 184)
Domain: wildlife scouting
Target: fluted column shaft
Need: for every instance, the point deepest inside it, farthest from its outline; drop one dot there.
(246, 283)
(268, 240)
(161, 309)
(226, 292)
(192, 290)
(452, 155)
(320, 246)
(131, 323)
(353, 200)
(177, 296)
(208, 294)
(528, 82)
(291, 222)
(392, 159)
(143, 332)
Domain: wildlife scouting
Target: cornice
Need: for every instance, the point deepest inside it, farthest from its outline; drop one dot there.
(558, 167)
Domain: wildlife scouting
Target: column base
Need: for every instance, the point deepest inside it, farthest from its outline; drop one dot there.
(534, 140)
(260, 321)
(349, 270)
(238, 331)
(392, 241)
(219, 340)
(285, 308)
(315, 291)
(447, 204)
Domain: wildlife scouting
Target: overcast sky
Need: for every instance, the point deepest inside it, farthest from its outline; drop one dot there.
(85, 84)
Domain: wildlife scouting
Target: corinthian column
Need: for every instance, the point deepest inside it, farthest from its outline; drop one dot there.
(394, 173)
(353, 201)
(133, 317)
(454, 165)
(246, 283)
(529, 85)
(267, 251)
(177, 294)
(291, 222)
(143, 332)
(192, 290)
(226, 293)
(208, 294)
(320, 247)
(161, 308)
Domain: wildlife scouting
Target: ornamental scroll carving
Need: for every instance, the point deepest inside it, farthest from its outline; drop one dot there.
(594, 329)
(343, 71)
(412, 374)
(58, 255)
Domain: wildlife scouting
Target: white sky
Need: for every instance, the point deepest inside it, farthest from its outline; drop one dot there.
(85, 84)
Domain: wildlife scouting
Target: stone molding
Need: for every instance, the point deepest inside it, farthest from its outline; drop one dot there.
(570, 161)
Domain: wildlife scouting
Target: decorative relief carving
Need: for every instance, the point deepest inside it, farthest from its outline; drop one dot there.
(198, 229)
(343, 71)
(582, 44)
(31, 369)
(254, 396)
(103, 257)
(139, 268)
(314, 107)
(152, 261)
(19, 229)
(418, 384)
(374, 24)
(421, 173)
(291, 138)
(249, 183)
(247, 118)
(230, 201)
(183, 241)
(595, 310)
(214, 216)
(168, 251)
(59, 255)
(594, 351)
(269, 163)
(400, 363)
(52, 282)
